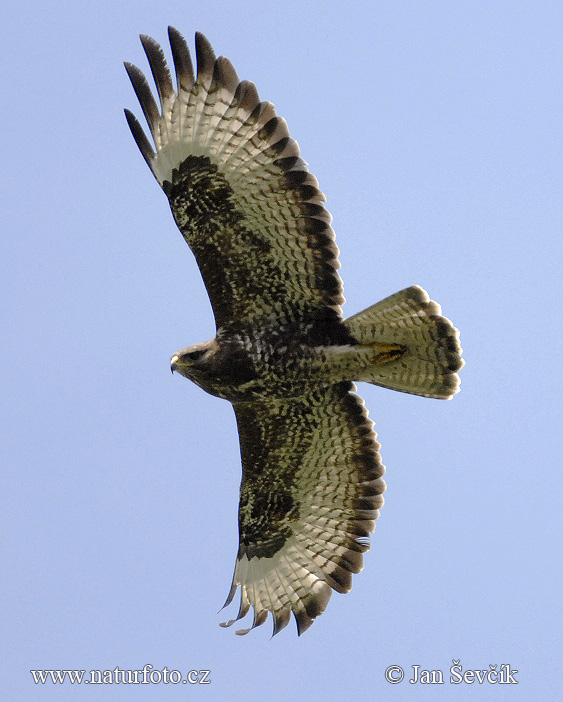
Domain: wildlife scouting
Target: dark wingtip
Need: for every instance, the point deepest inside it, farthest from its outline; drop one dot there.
(205, 56)
(140, 137)
(143, 93)
(303, 621)
(159, 67)
(246, 95)
(281, 620)
(182, 59)
(225, 74)
(231, 594)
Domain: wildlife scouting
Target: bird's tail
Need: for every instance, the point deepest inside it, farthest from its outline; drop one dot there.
(416, 349)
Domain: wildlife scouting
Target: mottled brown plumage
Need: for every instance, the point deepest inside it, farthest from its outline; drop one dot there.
(254, 218)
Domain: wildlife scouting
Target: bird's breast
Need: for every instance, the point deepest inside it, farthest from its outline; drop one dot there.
(269, 364)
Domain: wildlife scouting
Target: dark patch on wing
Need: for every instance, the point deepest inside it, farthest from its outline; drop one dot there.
(274, 439)
(272, 447)
(243, 274)
(235, 264)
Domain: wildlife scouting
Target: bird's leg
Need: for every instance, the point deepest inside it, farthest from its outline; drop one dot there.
(385, 352)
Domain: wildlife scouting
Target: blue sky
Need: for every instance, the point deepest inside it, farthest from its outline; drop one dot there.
(434, 129)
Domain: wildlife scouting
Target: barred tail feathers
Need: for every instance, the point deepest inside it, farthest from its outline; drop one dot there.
(418, 349)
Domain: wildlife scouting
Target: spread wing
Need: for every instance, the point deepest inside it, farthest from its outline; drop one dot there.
(242, 197)
(312, 485)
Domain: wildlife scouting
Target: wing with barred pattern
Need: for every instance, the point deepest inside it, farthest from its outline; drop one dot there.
(311, 490)
(241, 195)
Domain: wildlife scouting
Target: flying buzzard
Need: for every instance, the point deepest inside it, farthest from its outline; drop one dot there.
(283, 354)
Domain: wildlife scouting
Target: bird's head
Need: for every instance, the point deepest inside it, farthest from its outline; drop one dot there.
(195, 361)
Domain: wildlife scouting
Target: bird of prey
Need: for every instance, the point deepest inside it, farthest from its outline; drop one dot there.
(283, 355)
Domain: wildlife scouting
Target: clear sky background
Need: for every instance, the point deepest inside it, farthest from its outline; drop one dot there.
(434, 129)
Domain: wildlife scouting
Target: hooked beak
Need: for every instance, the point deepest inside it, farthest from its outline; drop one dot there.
(175, 363)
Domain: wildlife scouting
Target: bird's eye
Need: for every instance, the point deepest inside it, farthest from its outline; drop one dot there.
(195, 355)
